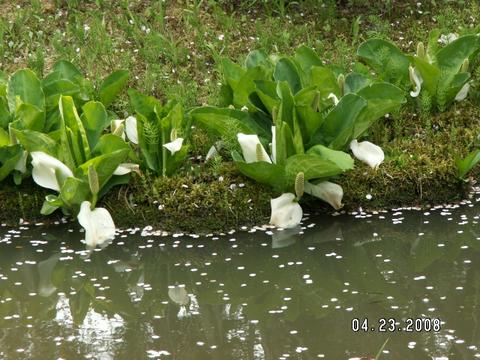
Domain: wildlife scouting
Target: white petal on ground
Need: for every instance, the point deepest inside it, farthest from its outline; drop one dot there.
(126, 168)
(463, 93)
(327, 191)
(249, 144)
(131, 129)
(174, 146)
(98, 224)
(45, 168)
(417, 80)
(367, 152)
(286, 212)
(178, 295)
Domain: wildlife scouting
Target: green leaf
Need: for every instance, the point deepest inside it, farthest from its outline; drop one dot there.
(51, 204)
(246, 85)
(5, 116)
(338, 126)
(75, 137)
(452, 56)
(266, 90)
(104, 165)
(306, 58)
(257, 58)
(385, 58)
(343, 160)
(430, 74)
(67, 70)
(36, 141)
(112, 182)
(312, 165)
(9, 156)
(24, 85)
(285, 70)
(264, 173)
(109, 143)
(112, 85)
(54, 86)
(4, 138)
(73, 192)
(466, 164)
(226, 121)
(325, 80)
(30, 117)
(95, 120)
(382, 98)
(143, 104)
(354, 82)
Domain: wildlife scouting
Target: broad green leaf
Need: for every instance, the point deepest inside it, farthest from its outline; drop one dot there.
(54, 86)
(382, 98)
(307, 102)
(456, 84)
(176, 160)
(4, 137)
(338, 126)
(343, 160)
(109, 143)
(104, 165)
(9, 156)
(95, 120)
(306, 58)
(5, 116)
(312, 166)
(149, 143)
(227, 122)
(30, 117)
(51, 204)
(430, 74)
(354, 82)
(285, 70)
(287, 104)
(452, 56)
(112, 85)
(143, 104)
(67, 70)
(232, 72)
(74, 131)
(37, 141)
(385, 58)
(466, 164)
(246, 85)
(325, 80)
(264, 173)
(25, 85)
(257, 58)
(266, 90)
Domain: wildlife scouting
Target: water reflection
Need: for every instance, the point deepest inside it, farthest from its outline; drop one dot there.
(262, 295)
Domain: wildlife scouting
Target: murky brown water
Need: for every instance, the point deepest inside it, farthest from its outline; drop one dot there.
(249, 295)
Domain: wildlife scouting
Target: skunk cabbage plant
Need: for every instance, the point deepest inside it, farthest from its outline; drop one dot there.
(161, 131)
(440, 73)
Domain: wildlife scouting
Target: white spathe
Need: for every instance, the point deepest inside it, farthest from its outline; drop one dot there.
(131, 129)
(46, 168)
(286, 212)
(327, 191)
(463, 93)
(334, 98)
(21, 164)
(178, 294)
(126, 168)
(447, 39)
(249, 144)
(417, 80)
(174, 146)
(115, 124)
(274, 144)
(369, 153)
(212, 152)
(98, 224)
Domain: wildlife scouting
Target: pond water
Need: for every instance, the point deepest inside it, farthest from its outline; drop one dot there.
(413, 275)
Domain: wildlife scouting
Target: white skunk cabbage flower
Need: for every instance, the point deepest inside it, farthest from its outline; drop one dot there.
(131, 129)
(274, 144)
(174, 146)
(126, 168)
(369, 153)
(447, 39)
(286, 212)
(416, 80)
(21, 164)
(252, 149)
(47, 170)
(212, 152)
(334, 98)
(327, 191)
(463, 93)
(178, 295)
(98, 224)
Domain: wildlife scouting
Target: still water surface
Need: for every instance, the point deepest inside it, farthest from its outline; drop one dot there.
(249, 295)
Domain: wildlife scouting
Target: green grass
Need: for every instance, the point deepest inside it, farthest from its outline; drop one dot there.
(171, 49)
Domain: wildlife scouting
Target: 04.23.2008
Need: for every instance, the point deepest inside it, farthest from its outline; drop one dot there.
(394, 325)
